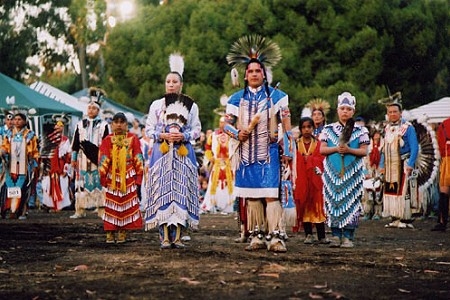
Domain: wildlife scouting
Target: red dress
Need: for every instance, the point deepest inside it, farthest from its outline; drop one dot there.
(121, 169)
(308, 192)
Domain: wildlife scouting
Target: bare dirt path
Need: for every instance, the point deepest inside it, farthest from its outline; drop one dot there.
(50, 256)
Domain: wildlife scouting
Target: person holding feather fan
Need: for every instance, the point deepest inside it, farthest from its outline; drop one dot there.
(172, 191)
(344, 144)
(253, 116)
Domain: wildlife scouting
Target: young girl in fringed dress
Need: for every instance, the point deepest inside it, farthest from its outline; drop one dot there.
(308, 184)
(121, 167)
(344, 144)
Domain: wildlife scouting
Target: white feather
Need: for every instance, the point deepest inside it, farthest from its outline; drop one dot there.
(269, 75)
(423, 119)
(234, 77)
(10, 100)
(407, 115)
(306, 112)
(176, 62)
(179, 109)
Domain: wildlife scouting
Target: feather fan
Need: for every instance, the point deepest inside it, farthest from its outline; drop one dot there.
(344, 138)
(48, 145)
(428, 154)
(178, 107)
(346, 134)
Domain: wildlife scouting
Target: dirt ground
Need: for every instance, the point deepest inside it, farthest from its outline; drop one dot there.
(50, 256)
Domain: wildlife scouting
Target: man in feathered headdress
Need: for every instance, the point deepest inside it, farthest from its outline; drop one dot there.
(401, 149)
(55, 165)
(86, 141)
(219, 195)
(253, 115)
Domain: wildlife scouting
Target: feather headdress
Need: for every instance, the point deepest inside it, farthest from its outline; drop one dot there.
(395, 99)
(318, 104)
(96, 96)
(252, 48)
(176, 63)
(61, 119)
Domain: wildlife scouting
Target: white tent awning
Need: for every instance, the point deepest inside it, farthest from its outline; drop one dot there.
(58, 95)
(435, 112)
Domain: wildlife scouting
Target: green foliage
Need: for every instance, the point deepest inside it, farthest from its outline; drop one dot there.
(327, 46)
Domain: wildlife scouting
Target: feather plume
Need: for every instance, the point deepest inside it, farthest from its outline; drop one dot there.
(396, 98)
(176, 63)
(344, 138)
(318, 104)
(346, 134)
(254, 47)
(235, 77)
(306, 112)
(269, 75)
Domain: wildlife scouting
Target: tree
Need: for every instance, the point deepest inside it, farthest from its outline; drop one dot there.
(327, 46)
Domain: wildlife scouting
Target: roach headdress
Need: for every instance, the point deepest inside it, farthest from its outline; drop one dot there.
(253, 48)
(318, 104)
(96, 96)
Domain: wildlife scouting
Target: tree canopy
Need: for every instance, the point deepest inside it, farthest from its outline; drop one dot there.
(365, 47)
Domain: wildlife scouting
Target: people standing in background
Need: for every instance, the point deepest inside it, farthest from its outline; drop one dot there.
(319, 109)
(443, 137)
(146, 148)
(308, 184)
(344, 144)
(86, 141)
(373, 187)
(20, 148)
(55, 166)
(219, 196)
(401, 149)
(7, 126)
(173, 194)
(121, 167)
(136, 128)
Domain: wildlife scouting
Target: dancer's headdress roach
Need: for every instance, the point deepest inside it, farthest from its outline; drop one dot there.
(319, 104)
(253, 48)
(96, 96)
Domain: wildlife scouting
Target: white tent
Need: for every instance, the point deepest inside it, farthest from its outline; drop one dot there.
(60, 96)
(435, 112)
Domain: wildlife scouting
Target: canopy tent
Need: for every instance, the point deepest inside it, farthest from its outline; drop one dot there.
(59, 95)
(435, 112)
(113, 106)
(27, 98)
